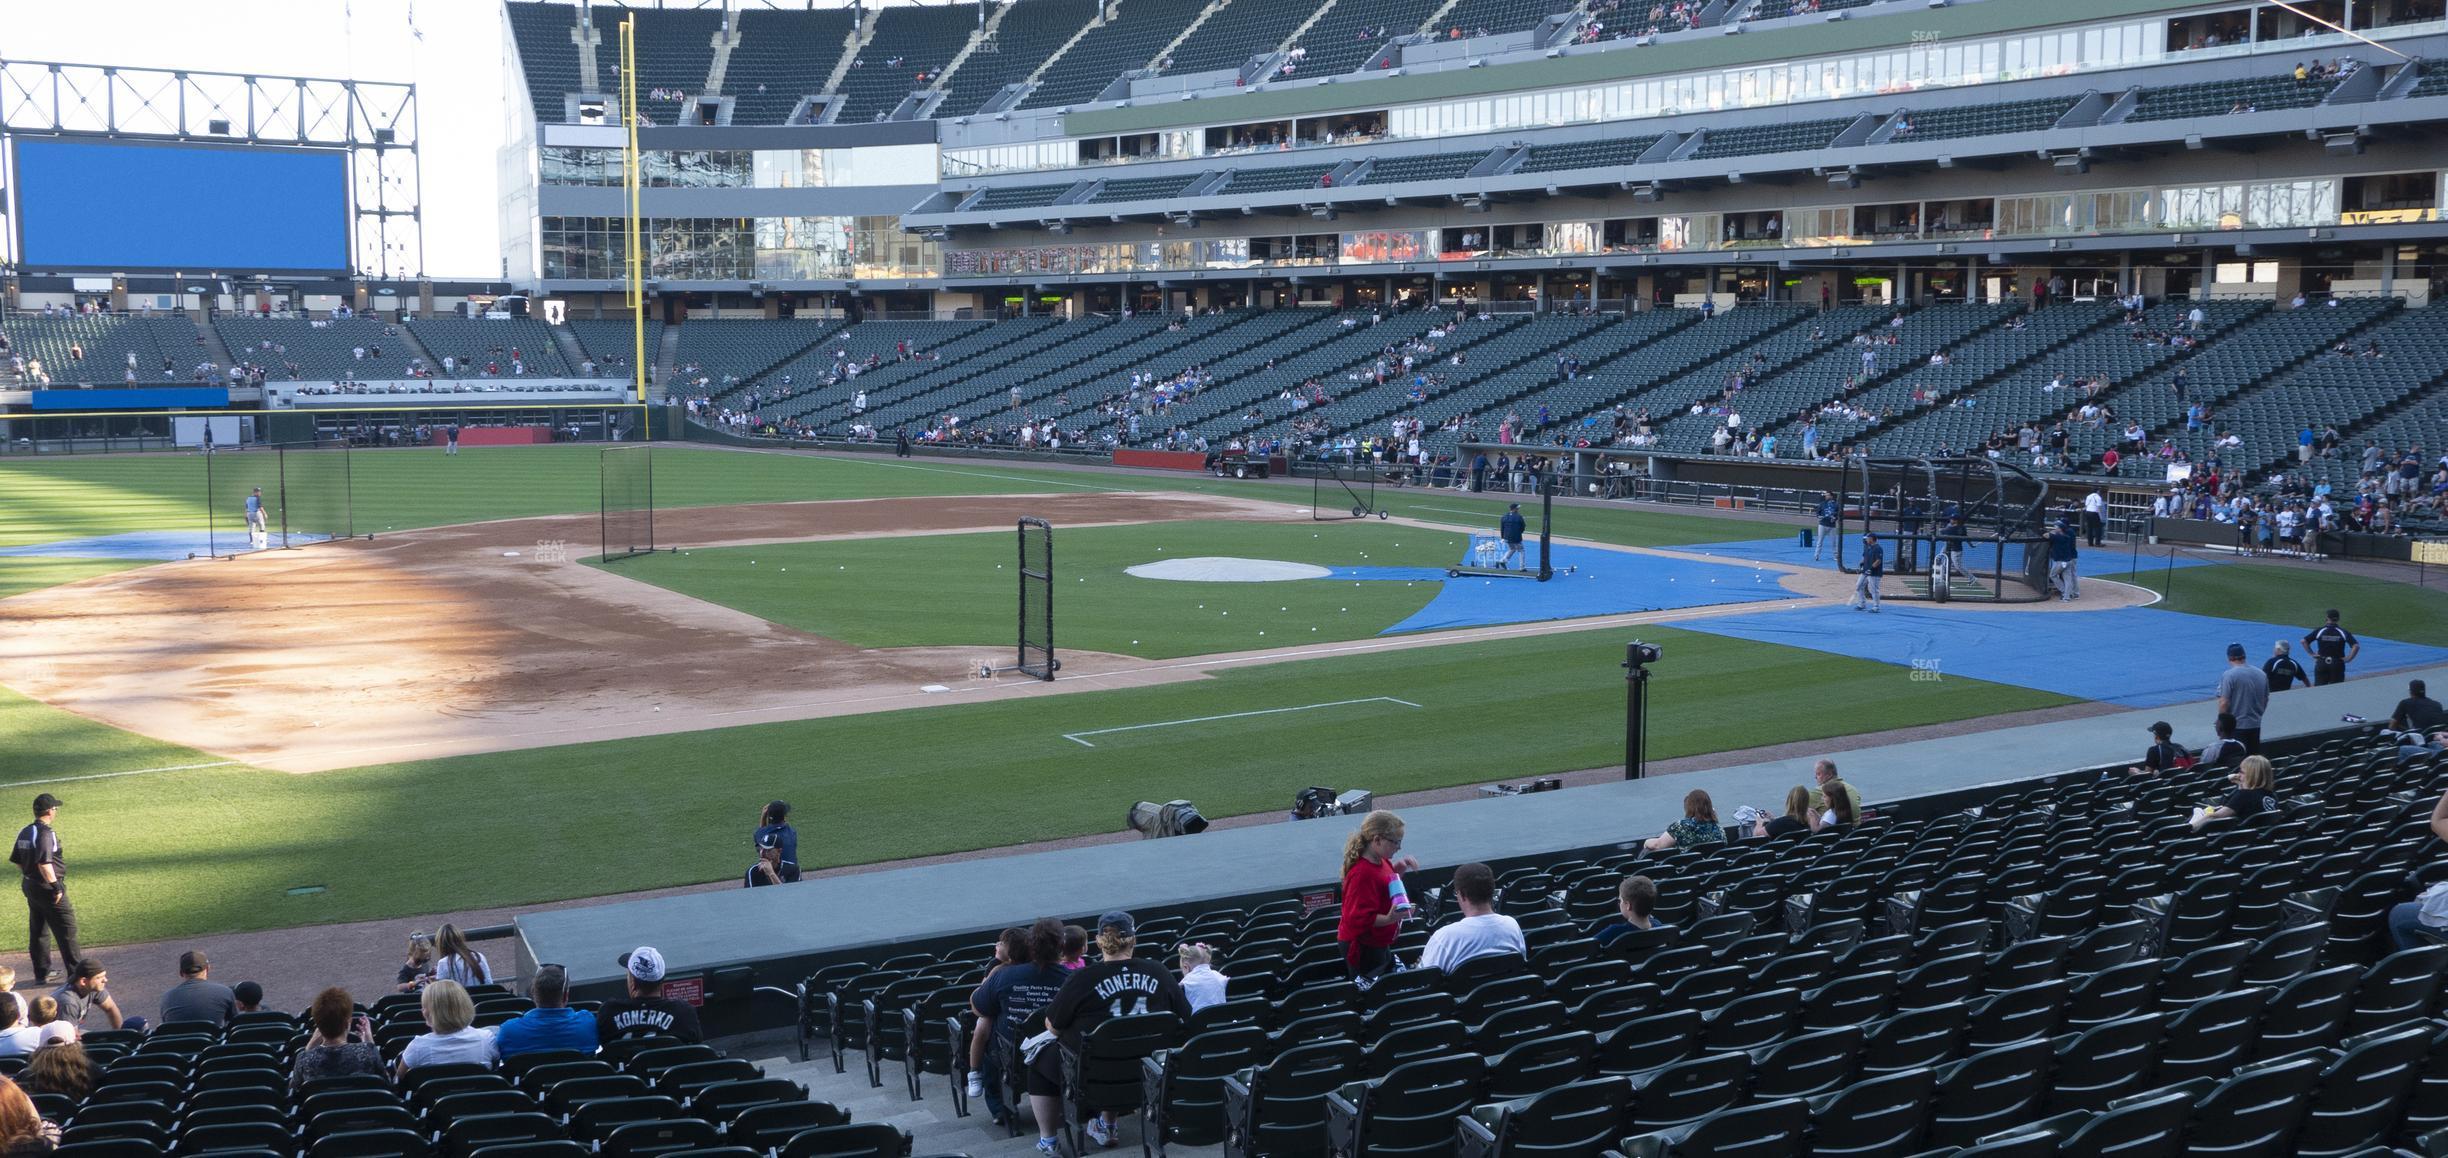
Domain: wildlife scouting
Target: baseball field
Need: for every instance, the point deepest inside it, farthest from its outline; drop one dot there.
(468, 709)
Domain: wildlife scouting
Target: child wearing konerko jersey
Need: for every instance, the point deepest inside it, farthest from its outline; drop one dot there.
(1117, 986)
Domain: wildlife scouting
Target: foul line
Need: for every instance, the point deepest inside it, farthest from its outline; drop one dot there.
(116, 775)
(1074, 737)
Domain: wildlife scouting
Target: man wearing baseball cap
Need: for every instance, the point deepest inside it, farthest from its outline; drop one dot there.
(43, 878)
(2243, 692)
(646, 1010)
(1118, 985)
(197, 997)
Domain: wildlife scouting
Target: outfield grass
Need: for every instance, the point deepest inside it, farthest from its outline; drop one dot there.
(157, 856)
(2299, 597)
(947, 590)
(22, 573)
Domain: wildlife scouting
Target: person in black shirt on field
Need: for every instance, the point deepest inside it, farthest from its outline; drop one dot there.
(2332, 648)
(1117, 986)
(43, 878)
(1510, 530)
(2282, 670)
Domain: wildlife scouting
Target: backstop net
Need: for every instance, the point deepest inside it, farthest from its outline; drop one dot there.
(1963, 528)
(1037, 600)
(300, 491)
(626, 475)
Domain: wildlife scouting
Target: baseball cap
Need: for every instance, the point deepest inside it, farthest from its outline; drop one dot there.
(643, 963)
(88, 968)
(1120, 922)
(193, 962)
(2162, 730)
(247, 993)
(2235, 651)
(45, 803)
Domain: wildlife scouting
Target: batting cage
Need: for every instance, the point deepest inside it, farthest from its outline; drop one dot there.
(278, 495)
(1341, 491)
(626, 476)
(1037, 600)
(1492, 556)
(1961, 528)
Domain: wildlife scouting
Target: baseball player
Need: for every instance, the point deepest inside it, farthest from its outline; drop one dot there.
(257, 536)
(2063, 552)
(1510, 530)
(1873, 568)
(1827, 523)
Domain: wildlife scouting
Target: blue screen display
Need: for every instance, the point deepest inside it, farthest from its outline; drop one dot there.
(107, 205)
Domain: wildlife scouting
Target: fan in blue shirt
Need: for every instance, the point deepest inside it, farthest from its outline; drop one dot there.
(552, 1024)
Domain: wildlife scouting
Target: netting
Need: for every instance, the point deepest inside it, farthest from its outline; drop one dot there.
(627, 479)
(1338, 492)
(1950, 529)
(1037, 599)
(300, 491)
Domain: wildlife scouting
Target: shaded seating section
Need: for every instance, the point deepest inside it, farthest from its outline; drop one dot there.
(1776, 137)
(1275, 337)
(106, 340)
(2331, 390)
(1780, 402)
(320, 349)
(1237, 32)
(1822, 339)
(1129, 41)
(1486, 396)
(1970, 362)
(675, 53)
(2073, 968)
(1279, 179)
(476, 343)
(1494, 17)
(1422, 167)
(2217, 98)
(1489, 348)
(1952, 121)
(1205, 341)
(923, 39)
(609, 342)
(966, 351)
(1029, 33)
(1017, 197)
(1601, 153)
(727, 352)
(1353, 30)
(1653, 370)
(1143, 188)
(782, 56)
(546, 53)
(1350, 341)
(2434, 80)
(1770, 9)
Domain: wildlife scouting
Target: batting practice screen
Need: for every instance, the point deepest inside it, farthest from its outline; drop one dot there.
(1037, 599)
(627, 474)
(1342, 492)
(303, 493)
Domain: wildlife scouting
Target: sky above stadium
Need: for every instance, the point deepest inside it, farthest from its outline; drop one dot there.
(450, 49)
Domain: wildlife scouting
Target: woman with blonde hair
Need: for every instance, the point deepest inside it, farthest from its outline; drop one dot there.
(1375, 904)
(22, 1129)
(456, 960)
(1119, 985)
(64, 1069)
(1797, 816)
(419, 966)
(451, 1015)
(2256, 792)
(1698, 826)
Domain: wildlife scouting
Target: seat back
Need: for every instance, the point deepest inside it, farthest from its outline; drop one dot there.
(1689, 1090)
(1409, 1113)
(1572, 1121)
(1877, 1116)
(1287, 1112)
(1988, 1092)
(2359, 1096)
(1542, 1063)
(2256, 1111)
(1807, 1065)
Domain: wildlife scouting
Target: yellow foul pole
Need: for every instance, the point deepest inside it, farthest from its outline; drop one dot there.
(635, 248)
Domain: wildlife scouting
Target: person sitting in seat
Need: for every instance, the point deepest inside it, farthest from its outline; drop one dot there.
(646, 1010)
(1199, 978)
(342, 1042)
(1796, 818)
(1839, 814)
(2424, 920)
(2254, 793)
(1635, 900)
(451, 1016)
(1698, 826)
(552, 1024)
(1117, 986)
(1482, 931)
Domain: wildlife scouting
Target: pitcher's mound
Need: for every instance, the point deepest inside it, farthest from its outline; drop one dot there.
(1221, 569)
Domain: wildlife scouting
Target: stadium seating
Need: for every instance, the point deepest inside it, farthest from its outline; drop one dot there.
(1606, 151)
(1494, 17)
(107, 340)
(474, 343)
(1142, 188)
(1987, 353)
(1278, 179)
(967, 351)
(2217, 98)
(610, 340)
(1779, 403)
(546, 53)
(1653, 375)
(1771, 9)
(1238, 31)
(1354, 341)
(1422, 167)
(1775, 137)
(1953, 121)
(1489, 350)
(675, 53)
(1158, 349)
(782, 56)
(1129, 41)
(2434, 80)
(1351, 31)
(2331, 390)
(1274, 336)
(1017, 197)
(321, 350)
(922, 38)
(1894, 989)
(728, 352)
(1028, 32)
(1816, 353)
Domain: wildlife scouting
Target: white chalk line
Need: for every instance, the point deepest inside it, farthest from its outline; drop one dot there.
(116, 775)
(1074, 737)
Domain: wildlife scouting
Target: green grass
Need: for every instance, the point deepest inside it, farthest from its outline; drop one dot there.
(939, 590)
(154, 855)
(2300, 596)
(22, 573)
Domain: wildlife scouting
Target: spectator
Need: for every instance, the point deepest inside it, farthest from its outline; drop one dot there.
(1200, 981)
(454, 1039)
(87, 990)
(2282, 670)
(1698, 826)
(1117, 986)
(2224, 751)
(249, 995)
(2253, 795)
(1840, 814)
(552, 1024)
(646, 1010)
(777, 845)
(17, 1039)
(46, 1018)
(197, 997)
(419, 964)
(1074, 948)
(456, 960)
(2244, 694)
(1823, 774)
(1009, 994)
(342, 1042)
(2164, 754)
(1635, 900)
(64, 1069)
(22, 1129)
(1482, 931)
(1375, 904)
(8, 990)
(2424, 920)
(1797, 815)
(2418, 712)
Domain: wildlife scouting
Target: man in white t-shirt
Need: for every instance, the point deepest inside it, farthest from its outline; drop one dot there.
(1482, 931)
